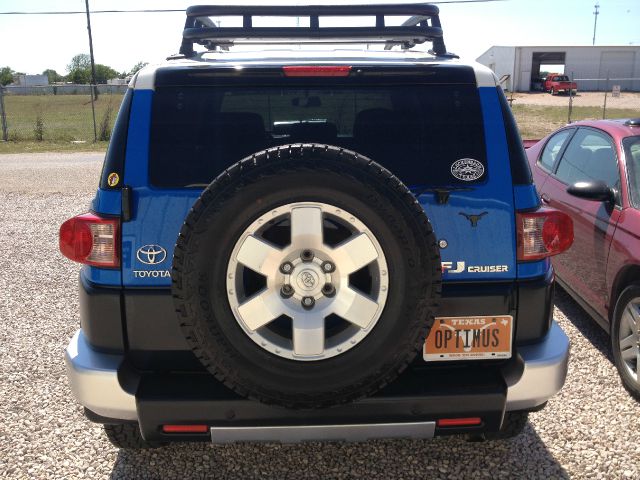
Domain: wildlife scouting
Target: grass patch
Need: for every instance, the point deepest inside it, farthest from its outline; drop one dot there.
(61, 118)
(537, 121)
(33, 146)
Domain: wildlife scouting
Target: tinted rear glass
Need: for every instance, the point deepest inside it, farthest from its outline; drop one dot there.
(632, 154)
(415, 131)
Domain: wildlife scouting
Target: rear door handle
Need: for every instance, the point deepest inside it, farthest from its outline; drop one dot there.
(545, 198)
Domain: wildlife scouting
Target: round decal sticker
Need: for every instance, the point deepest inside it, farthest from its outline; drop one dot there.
(113, 179)
(467, 169)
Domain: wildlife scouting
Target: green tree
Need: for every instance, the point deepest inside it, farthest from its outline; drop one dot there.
(6, 76)
(82, 61)
(103, 73)
(53, 76)
(138, 66)
(80, 75)
(79, 69)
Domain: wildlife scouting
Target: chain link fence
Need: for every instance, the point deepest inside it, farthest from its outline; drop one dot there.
(540, 113)
(63, 113)
(58, 113)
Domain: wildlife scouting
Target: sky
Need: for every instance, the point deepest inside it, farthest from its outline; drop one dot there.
(33, 43)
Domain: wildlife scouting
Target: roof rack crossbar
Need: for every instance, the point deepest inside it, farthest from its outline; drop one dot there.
(422, 26)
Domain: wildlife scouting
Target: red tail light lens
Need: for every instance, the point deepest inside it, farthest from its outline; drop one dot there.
(459, 422)
(185, 428)
(543, 233)
(316, 70)
(91, 240)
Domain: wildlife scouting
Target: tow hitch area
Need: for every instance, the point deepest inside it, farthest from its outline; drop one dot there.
(423, 402)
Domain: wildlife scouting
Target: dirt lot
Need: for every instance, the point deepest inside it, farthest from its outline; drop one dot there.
(588, 431)
(629, 100)
(539, 114)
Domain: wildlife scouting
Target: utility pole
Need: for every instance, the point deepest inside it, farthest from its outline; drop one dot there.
(94, 89)
(595, 21)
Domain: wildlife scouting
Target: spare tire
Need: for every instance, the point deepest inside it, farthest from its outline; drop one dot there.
(306, 276)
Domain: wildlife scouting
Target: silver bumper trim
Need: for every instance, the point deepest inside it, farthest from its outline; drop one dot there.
(545, 370)
(94, 380)
(309, 433)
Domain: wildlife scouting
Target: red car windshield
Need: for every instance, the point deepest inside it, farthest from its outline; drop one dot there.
(561, 78)
(632, 153)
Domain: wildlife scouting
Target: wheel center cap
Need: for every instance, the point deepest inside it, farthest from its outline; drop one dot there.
(307, 280)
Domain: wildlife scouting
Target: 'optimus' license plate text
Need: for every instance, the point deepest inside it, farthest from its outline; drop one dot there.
(469, 338)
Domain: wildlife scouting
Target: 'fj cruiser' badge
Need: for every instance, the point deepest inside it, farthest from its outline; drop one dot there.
(467, 169)
(113, 179)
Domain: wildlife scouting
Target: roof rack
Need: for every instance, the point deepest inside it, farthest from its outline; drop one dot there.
(422, 26)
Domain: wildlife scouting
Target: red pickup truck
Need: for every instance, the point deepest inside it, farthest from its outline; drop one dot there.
(556, 83)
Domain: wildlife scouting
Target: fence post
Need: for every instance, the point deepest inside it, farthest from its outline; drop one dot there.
(93, 114)
(570, 100)
(3, 114)
(604, 109)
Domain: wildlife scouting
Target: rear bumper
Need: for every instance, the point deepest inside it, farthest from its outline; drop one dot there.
(95, 383)
(94, 380)
(545, 370)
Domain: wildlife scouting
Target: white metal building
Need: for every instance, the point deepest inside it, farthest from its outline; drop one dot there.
(32, 80)
(522, 65)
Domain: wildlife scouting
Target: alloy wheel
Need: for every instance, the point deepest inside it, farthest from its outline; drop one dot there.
(307, 281)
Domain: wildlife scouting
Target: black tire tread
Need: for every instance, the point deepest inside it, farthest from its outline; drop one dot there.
(632, 388)
(271, 162)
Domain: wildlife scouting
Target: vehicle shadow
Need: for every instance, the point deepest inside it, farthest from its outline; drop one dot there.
(525, 456)
(586, 325)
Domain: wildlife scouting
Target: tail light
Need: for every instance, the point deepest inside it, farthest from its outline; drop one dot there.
(543, 233)
(91, 240)
(316, 70)
(459, 422)
(185, 428)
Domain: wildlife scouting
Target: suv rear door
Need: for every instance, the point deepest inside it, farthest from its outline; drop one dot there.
(432, 126)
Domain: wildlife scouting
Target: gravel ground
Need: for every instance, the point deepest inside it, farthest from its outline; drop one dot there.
(590, 430)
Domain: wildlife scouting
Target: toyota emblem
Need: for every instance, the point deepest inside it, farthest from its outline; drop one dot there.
(151, 254)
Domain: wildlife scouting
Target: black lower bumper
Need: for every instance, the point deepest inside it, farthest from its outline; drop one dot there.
(112, 391)
(419, 395)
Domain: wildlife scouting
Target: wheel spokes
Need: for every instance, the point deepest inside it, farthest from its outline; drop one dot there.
(629, 354)
(306, 227)
(308, 334)
(261, 309)
(628, 342)
(355, 307)
(355, 253)
(307, 280)
(632, 317)
(258, 255)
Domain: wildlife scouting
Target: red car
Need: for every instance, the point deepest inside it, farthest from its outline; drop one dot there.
(591, 171)
(556, 83)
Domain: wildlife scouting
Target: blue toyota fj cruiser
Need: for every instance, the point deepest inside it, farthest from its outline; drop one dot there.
(304, 244)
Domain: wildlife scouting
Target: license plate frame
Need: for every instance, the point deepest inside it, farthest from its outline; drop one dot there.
(481, 337)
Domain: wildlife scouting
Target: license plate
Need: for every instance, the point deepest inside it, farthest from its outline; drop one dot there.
(469, 338)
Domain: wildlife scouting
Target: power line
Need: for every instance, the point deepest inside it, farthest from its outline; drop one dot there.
(94, 11)
(182, 10)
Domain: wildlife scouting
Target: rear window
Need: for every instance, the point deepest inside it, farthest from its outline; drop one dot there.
(632, 154)
(415, 131)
